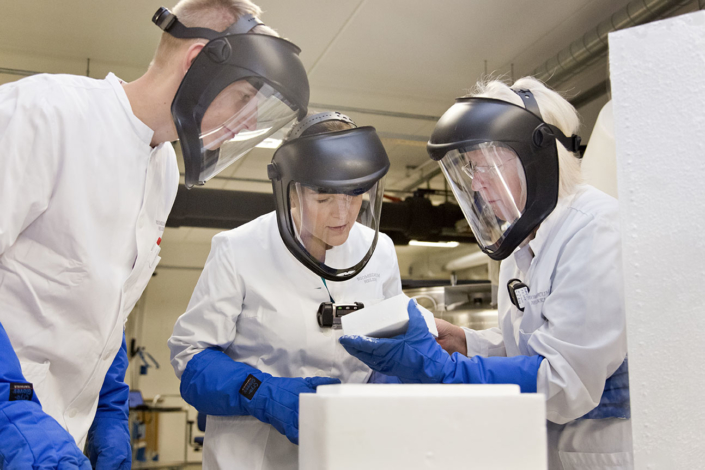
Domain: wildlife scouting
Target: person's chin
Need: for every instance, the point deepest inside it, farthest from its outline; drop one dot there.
(335, 239)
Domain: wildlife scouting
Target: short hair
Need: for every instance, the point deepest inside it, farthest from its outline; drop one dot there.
(554, 109)
(217, 15)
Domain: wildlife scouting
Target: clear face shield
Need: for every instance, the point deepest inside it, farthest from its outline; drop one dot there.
(240, 117)
(240, 89)
(489, 183)
(336, 230)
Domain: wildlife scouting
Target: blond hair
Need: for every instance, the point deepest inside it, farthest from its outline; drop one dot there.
(217, 15)
(554, 110)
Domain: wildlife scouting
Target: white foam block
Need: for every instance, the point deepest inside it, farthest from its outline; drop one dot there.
(384, 319)
(382, 426)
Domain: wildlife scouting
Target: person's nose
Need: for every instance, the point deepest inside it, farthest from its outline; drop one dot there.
(340, 208)
(251, 122)
(478, 182)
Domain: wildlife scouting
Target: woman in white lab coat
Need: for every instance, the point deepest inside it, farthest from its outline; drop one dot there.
(250, 340)
(516, 174)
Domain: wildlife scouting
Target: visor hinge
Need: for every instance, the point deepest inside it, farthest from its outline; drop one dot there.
(272, 172)
(164, 18)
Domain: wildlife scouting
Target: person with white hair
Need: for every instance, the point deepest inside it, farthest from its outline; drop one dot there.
(511, 157)
(88, 179)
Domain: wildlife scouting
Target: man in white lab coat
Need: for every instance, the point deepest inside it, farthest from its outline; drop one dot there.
(87, 179)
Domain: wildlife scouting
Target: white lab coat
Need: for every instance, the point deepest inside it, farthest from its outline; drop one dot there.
(83, 202)
(574, 318)
(255, 301)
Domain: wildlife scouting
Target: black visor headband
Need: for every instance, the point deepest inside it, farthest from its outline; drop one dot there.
(472, 121)
(169, 23)
(349, 161)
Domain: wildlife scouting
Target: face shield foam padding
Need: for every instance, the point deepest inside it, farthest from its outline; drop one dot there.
(328, 190)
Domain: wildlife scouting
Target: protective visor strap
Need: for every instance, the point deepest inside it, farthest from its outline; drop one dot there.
(529, 101)
(571, 143)
(309, 121)
(169, 23)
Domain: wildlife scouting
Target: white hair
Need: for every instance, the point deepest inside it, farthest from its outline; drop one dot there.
(554, 110)
(217, 15)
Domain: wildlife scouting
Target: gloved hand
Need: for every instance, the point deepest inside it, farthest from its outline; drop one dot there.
(216, 385)
(377, 378)
(276, 401)
(614, 402)
(29, 438)
(109, 436)
(109, 444)
(416, 357)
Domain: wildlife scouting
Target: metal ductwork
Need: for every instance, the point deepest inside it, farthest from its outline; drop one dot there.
(584, 51)
(413, 218)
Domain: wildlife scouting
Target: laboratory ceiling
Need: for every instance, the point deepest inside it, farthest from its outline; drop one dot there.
(393, 64)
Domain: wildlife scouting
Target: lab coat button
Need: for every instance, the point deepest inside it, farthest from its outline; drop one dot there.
(73, 412)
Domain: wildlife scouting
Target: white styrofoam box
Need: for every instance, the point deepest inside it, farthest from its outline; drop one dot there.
(658, 93)
(384, 319)
(390, 426)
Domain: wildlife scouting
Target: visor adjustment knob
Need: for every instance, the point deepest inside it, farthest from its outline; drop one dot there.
(272, 172)
(218, 50)
(543, 136)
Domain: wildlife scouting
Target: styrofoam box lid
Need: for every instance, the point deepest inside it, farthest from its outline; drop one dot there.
(418, 390)
(384, 319)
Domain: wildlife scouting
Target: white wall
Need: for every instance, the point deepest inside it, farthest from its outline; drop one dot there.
(658, 91)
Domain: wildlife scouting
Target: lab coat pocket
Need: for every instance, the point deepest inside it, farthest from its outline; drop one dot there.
(592, 460)
(34, 372)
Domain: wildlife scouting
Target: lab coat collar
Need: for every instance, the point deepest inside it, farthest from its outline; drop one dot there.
(524, 255)
(143, 131)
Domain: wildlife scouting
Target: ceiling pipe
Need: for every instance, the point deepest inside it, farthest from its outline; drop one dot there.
(592, 45)
(21, 73)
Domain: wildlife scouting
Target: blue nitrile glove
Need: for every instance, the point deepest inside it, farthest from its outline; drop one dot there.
(30, 438)
(216, 385)
(378, 378)
(416, 357)
(614, 402)
(109, 436)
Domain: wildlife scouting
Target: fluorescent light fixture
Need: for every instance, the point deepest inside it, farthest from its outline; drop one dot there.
(434, 244)
(269, 143)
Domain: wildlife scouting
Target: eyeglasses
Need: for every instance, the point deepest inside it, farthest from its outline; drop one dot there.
(473, 170)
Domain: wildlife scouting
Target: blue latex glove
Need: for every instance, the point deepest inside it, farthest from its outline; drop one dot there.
(416, 357)
(109, 436)
(29, 438)
(377, 378)
(216, 385)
